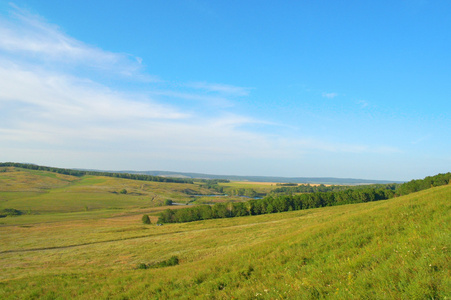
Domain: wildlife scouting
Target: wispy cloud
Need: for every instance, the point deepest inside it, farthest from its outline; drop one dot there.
(220, 88)
(56, 95)
(362, 103)
(216, 100)
(329, 95)
(29, 36)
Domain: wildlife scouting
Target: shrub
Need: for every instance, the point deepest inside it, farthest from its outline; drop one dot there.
(141, 266)
(9, 212)
(173, 261)
(145, 219)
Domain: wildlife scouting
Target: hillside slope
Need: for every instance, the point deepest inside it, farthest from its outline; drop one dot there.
(391, 249)
(36, 191)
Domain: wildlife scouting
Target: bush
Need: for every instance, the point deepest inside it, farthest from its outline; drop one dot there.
(145, 219)
(141, 266)
(9, 212)
(173, 261)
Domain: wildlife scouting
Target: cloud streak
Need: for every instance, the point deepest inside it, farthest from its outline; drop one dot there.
(57, 96)
(30, 36)
(220, 88)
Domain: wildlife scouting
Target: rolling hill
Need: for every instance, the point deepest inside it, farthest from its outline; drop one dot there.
(391, 249)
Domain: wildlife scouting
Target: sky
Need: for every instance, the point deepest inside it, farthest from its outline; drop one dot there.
(350, 89)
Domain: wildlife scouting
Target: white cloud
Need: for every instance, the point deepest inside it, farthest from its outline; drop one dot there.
(216, 100)
(220, 88)
(329, 95)
(59, 96)
(57, 110)
(30, 36)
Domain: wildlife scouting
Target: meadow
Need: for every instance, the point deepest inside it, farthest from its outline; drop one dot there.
(47, 192)
(390, 249)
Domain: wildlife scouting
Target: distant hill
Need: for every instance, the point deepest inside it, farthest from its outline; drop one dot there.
(312, 180)
(187, 177)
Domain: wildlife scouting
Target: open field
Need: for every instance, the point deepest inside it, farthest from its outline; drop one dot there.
(47, 192)
(397, 248)
(259, 187)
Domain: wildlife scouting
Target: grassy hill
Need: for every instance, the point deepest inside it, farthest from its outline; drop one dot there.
(44, 192)
(393, 249)
(38, 191)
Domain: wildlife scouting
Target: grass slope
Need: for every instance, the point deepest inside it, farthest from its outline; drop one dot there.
(394, 249)
(36, 192)
(47, 192)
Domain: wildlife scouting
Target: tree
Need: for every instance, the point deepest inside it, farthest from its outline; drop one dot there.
(238, 209)
(219, 210)
(166, 216)
(146, 219)
(251, 193)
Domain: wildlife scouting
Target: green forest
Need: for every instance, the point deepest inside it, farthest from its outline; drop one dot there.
(311, 197)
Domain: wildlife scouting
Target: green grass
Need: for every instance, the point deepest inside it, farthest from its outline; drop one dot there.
(42, 192)
(394, 249)
(21, 180)
(46, 192)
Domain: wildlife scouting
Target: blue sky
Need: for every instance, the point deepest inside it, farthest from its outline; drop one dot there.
(356, 89)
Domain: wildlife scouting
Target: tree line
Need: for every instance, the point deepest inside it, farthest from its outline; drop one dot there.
(307, 188)
(80, 173)
(287, 202)
(273, 204)
(417, 185)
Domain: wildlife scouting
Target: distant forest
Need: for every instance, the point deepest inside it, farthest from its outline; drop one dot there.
(310, 198)
(307, 188)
